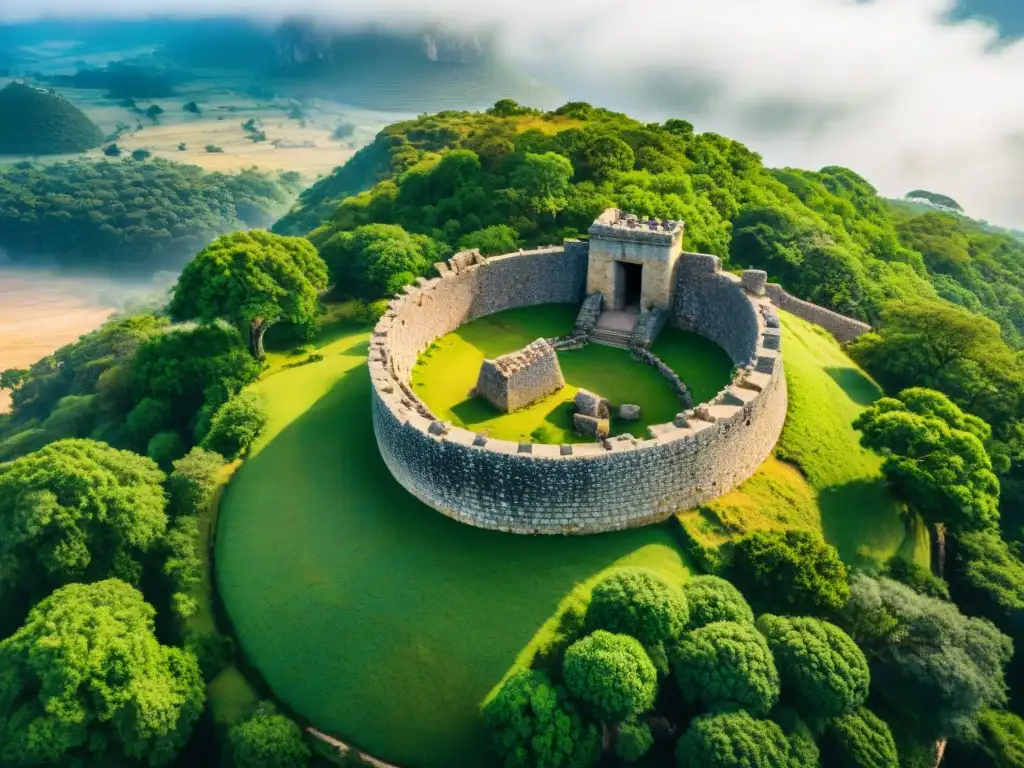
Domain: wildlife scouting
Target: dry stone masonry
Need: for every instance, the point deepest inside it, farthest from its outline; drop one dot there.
(569, 489)
(516, 380)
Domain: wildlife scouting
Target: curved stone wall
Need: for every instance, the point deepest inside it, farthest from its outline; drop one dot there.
(843, 328)
(590, 487)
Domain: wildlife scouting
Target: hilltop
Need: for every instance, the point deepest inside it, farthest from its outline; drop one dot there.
(38, 122)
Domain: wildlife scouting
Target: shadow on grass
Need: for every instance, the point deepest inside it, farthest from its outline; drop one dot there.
(855, 384)
(862, 521)
(370, 614)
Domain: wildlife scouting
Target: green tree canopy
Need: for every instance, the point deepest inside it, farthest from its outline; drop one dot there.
(935, 457)
(732, 740)
(859, 739)
(712, 598)
(543, 180)
(267, 740)
(988, 576)
(726, 664)
(611, 674)
(253, 280)
(822, 669)
(85, 681)
(193, 481)
(377, 259)
(637, 602)
(790, 572)
(76, 509)
(236, 425)
(533, 723)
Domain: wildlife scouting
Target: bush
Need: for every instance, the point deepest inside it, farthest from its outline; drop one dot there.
(236, 425)
(918, 578)
(732, 740)
(637, 602)
(611, 674)
(726, 664)
(213, 650)
(711, 599)
(859, 740)
(532, 723)
(267, 740)
(193, 481)
(213, 149)
(164, 448)
(141, 155)
(792, 572)
(634, 740)
(821, 667)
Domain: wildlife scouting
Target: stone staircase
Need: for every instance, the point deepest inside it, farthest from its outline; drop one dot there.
(610, 337)
(614, 329)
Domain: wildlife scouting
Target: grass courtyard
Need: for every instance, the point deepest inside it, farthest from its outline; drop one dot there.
(447, 372)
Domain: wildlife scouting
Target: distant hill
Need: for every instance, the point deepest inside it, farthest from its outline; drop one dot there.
(942, 201)
(38, 122)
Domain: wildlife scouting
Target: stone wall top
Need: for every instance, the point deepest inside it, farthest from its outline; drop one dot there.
(843, 328)
(617, 225)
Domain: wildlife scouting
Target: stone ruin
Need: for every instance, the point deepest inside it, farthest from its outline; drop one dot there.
(520, 378)
(592, 417)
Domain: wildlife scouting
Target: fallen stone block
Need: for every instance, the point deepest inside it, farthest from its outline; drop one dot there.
(629, 412)
(590, 426)
(589, 404)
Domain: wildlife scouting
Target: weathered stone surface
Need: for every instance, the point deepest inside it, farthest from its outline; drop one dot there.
(590, 404)
(629, 412)
(843, 328)
(590, 426)
(516, 380)
(754, 281)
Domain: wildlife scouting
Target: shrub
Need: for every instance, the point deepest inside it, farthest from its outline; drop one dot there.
(918, 578)
(213, 650)
(732, 740)
(637, 602)
(193, 481)
(532, 723)
(611, 674)
(726, 664)
(236, 425)
(213, 149)
(268, 740)
(141, 154)
(711, 598)
(634, 740)
(164, 448)
(820, 666)
(859, 739)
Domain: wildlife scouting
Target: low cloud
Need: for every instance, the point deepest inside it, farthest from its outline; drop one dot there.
(890, 88)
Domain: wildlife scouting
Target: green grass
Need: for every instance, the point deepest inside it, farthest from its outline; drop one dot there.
(828, 482)
(447, 372)
(375, 617)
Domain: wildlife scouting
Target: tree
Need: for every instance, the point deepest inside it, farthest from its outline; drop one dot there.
(929, 663)
(12, 378)
(183, 566)
(253, 280)
(153, 112)
(988, 576)
(605, 155)
(821, 668)
(726, 664)
(859, 739)
(165, 447)
(791, 572)
(491, 241)
(140, 155)
(268, 740)
(85, 681)
(192, 108)
(543, 180)
(236, 425)
(711, 598)
(193, 481)
(935, 457)
(533, 723)
(1002, 738)
(611, 674)
(377, 259)
(732, 740)
(637, 602)
(112, 150)
(76, 510)
(633, 740)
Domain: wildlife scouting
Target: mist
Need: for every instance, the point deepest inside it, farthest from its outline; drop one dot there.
(894, 89)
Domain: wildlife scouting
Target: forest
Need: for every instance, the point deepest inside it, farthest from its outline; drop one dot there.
(129, 215)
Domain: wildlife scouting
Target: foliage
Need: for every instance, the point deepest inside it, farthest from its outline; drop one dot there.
(711, 598)
(85, 680)
(935, 457)
(821, 668)
(128, 215)
(193, 481)
(183, 565)
(491, 241)
(38, 122)
(791, 572)
(634, 740)
(934, 197)
(859, 739)
(533, 724)
(611, 674)
(929, 663)
(236, 425)
(253, 280)
(76, 510)
(988, 576)
(268, 740)
(637, 602)
(139, 155)
(726, 664)
(917, 577)
(732, 740)
(1002, 738)
(164, 448)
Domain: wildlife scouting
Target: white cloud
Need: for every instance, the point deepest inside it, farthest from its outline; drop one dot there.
(889, 88)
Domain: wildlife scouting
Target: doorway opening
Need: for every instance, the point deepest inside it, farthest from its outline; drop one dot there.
(631, 276)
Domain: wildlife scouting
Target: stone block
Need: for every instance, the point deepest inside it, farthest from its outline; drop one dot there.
(590, 426)
(754, 281)
(590, 404)
(629, 412)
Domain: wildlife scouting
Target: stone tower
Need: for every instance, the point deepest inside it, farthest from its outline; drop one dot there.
(632, 261)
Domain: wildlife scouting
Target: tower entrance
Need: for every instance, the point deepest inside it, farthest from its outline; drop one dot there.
(628, 285)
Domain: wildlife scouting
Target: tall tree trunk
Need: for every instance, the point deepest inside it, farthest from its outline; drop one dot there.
(256, 331)
(939, 550)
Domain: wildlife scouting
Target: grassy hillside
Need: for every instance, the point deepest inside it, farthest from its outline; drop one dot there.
(38, 122)
(821, 479)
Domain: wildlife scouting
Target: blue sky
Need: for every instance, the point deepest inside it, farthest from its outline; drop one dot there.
(1009, 14)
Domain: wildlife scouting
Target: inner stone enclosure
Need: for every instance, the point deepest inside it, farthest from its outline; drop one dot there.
(522, 377)
(528, 487)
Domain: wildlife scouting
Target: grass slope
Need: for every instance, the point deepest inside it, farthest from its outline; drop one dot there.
(825, 480)
(370, 614)
(448, 371)
(38, 122)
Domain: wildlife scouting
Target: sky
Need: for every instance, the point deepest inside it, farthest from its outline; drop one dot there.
(894, 89)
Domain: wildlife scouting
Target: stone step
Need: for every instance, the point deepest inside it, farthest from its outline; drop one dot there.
(610, 338)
